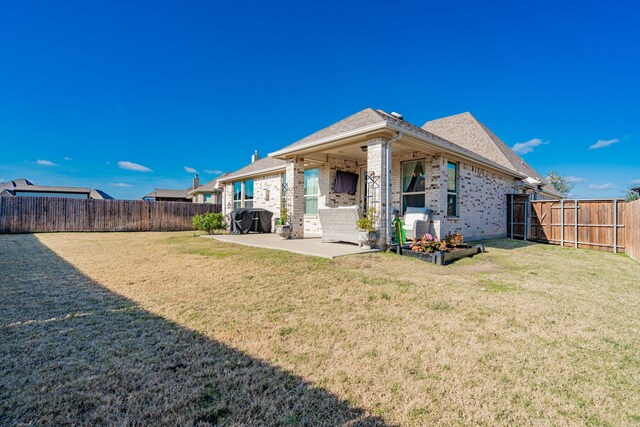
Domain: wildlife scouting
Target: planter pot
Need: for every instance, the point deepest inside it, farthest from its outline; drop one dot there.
(284, 231)
(438, 257)
(367, 239)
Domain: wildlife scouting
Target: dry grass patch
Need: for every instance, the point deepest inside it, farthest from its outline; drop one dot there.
(523, 334)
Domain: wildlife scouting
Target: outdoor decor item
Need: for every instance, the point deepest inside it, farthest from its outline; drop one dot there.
(367, 234)
(339, 224)
(283, 228)
(438, 251)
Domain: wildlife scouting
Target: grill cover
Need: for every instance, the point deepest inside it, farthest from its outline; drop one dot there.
(249, 219)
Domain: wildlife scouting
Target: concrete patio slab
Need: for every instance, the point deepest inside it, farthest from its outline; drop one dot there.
(310, 245)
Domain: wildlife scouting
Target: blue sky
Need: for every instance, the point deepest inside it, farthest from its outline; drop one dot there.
(166, 85)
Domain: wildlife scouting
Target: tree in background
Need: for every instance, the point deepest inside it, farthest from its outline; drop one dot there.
(631, 195)
(560, 183)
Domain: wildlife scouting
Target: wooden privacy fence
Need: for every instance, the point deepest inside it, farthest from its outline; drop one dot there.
(632, 230)
(51, 214)
(587, 224)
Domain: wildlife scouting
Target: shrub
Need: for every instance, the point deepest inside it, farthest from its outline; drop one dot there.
(209, 222)
(367, 222)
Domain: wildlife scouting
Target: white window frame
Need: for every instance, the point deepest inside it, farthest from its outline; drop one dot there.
(310, 196)
(455, 193)
(413, 193)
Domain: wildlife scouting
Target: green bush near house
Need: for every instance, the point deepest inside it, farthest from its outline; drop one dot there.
(209, 222)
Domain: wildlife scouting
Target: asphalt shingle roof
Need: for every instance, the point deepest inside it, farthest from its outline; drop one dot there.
(211, 186)
(264, 164)
(466, 131)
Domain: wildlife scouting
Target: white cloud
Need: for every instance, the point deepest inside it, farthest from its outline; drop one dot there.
(45, 163)
(213, 171)
(635, 181)
(603, 143)
(133, 167)
(119, 184)
(527, 147)
(607, 186)
(575, 179)
(67, 158)
(190, 170)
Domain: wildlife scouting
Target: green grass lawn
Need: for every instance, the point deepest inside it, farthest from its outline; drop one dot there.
(169, 328)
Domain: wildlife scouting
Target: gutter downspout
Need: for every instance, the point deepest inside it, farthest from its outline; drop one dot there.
(388, 186)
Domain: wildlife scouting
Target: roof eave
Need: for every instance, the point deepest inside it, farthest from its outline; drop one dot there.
(281, 154)
(459, 153)
(253, 174)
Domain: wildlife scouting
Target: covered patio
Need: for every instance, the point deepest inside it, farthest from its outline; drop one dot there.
(309, 245)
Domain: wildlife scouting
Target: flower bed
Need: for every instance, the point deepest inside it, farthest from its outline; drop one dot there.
(440, 252)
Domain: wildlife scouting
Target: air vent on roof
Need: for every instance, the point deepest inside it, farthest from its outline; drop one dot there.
(397, 115)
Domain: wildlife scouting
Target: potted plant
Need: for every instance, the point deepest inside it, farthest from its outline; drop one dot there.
(283, 228)
(368, 235)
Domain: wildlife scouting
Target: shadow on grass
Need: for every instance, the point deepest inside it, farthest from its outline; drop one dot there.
(506, 244)
(73, 352)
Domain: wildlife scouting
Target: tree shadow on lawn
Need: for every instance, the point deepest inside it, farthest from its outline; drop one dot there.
(73, 352)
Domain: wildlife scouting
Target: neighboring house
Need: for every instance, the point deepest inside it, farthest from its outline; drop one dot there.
(211, 192)
(24, 187)
(168, 195)
(455, 166)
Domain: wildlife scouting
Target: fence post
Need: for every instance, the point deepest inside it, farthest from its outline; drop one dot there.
(561, 222)
(526, 217)
(511, 196)
(615, 226)
(575, 210)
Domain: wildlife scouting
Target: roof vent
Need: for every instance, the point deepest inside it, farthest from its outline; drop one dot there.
(397, 115)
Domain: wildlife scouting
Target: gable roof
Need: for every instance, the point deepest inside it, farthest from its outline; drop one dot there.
(466, 131)
(211, 186)
(367, 118)
(266, 164)
(371, 120)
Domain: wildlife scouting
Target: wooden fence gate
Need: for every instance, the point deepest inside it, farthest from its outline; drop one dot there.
(587, 224)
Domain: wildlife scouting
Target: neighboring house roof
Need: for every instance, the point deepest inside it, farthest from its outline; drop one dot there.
(369, 120)
(163, 193)
(267, 164)
(22, 185)
(211, 186)
(466, 131)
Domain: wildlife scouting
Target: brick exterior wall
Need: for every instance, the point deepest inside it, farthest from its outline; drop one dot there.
(433, 193)
(295, 196)
(482, 205)
(481, 193)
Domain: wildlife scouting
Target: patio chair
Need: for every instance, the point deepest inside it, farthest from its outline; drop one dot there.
(339, 224)
(416, 222)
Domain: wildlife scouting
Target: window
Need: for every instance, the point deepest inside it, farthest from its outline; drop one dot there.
(311, 191)
(248, 193)
(413, 185)
(452, 189)
(237, 195)
(207, 198)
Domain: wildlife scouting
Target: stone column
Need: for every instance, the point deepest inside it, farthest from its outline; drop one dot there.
(295, 196)
(376, 167)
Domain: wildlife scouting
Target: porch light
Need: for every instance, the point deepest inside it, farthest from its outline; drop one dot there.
(364, 148)
(266, 194)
